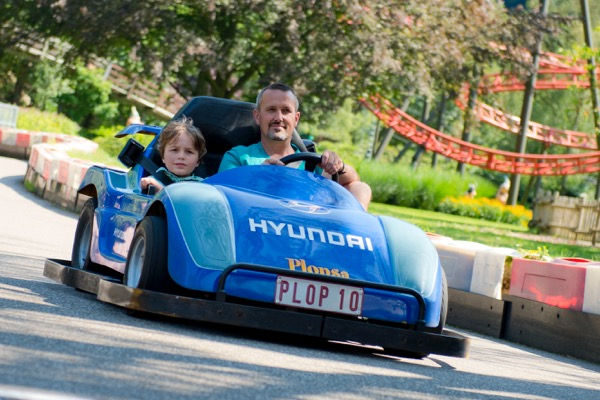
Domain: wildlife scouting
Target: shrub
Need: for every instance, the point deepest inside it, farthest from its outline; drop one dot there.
(88, 99)
(105, 137)
(47, 84)
(44, 121)
(424, 188)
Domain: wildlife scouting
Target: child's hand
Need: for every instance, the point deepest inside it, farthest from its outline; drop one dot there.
(150, 181)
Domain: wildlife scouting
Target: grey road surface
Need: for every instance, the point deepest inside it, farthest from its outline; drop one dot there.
(60, 343)
(28, 224)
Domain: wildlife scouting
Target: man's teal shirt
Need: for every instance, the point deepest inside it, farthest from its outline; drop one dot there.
(254, 154)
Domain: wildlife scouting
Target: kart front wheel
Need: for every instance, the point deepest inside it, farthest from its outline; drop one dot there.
(80, 257)
(146, 266)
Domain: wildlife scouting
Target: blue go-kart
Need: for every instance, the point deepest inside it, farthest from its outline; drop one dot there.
(266, 247)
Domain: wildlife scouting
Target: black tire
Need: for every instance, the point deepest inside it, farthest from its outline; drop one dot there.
(146, 266)
(444, 310)
(438, 329)
(80, 256)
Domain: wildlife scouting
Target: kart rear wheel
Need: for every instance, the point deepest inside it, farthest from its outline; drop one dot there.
(146, 266)
(444, 308)
(80, 256)
(438, 329)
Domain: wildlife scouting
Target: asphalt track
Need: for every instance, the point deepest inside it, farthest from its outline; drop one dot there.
(60, 343)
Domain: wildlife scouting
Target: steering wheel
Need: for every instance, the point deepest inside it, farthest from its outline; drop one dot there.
(311, 160)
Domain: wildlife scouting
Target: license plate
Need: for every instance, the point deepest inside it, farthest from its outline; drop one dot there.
(323, 296)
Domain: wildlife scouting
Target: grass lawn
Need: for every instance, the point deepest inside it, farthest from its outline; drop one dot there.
(98, 157)
(486, 232)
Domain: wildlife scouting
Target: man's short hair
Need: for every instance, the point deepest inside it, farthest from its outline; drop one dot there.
(277, 86)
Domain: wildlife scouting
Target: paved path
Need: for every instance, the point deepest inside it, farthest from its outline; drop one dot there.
(28, 224)
(57, 340)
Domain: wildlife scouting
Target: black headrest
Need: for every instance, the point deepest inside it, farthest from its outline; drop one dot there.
(224, 123)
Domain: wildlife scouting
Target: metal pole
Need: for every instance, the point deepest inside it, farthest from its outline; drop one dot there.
(469, 117)
(587, 29)
(515, 180)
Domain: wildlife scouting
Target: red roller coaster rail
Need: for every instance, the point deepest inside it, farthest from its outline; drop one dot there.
(556, 72)
(483, 157)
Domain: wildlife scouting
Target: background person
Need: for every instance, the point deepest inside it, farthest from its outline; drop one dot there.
(276, 114)
(502, 193)
(471, 191)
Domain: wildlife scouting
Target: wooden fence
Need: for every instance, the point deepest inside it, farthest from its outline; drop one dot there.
(575, 218)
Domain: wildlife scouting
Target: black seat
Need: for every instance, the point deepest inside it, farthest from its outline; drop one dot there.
(224, 123)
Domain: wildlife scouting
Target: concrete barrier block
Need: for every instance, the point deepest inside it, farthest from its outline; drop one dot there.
(591, 294)
(559, 283)
(488, 272)
(473, 267)
(63, 171)
(8, 137)
(23, 139)
(457, 259)
(77, 170)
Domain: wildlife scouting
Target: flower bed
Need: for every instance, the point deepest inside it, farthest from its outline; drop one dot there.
(488, 209)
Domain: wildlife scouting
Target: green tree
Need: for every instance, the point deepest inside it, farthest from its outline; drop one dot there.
(329, 50)
(87, 99)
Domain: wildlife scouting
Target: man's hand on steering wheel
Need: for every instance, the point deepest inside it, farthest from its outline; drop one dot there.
(312, 160)
(331, 162)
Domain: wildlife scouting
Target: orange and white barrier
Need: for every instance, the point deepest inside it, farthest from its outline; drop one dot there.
(19, 141)
(51, 172)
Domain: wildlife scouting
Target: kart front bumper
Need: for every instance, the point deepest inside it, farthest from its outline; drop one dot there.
(391, 338)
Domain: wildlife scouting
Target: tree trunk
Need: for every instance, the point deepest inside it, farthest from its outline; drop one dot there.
(421, 149)
(469, 117)
(439, 125)
(389, 133)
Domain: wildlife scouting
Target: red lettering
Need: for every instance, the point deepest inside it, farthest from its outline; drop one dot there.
(354, 300)
(323, 293)
(294, 299)
(342, 299)
(284, 286)
(310, 294)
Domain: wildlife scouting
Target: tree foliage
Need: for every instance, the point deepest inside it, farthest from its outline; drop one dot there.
(330, 50)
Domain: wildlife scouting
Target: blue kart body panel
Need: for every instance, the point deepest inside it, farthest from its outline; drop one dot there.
(283, 218)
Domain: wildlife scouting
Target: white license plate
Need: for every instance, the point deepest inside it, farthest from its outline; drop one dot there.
(323, 296)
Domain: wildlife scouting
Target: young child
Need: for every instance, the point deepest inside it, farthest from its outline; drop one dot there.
(181, 147)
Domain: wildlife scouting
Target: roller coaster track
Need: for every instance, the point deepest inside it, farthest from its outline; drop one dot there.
(163, 101)
(483, 157)
(556, 72)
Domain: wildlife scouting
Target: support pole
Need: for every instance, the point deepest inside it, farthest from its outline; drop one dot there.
(469, 117)
(389, 133)
(421, 149)
(585, 11)
(439, 125)
(515, 180)
(402, 152)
